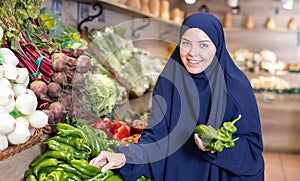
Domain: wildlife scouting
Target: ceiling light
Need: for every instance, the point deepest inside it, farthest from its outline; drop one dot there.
(190, 1)
(287, 4)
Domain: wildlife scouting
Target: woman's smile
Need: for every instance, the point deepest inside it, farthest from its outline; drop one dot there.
(196, 50)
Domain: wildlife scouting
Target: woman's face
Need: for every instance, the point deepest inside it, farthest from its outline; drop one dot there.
(196, 50)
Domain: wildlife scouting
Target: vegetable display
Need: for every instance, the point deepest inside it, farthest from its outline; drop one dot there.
(37, 41)
(121, 56)
(19, 115)
(68, 153)
(218, 139)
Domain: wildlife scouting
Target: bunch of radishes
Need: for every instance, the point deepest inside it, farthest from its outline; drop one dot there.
(18, 104)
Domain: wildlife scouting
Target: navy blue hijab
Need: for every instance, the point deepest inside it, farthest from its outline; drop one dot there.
(167, 151)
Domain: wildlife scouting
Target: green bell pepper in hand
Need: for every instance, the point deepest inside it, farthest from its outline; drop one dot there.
(218, 139)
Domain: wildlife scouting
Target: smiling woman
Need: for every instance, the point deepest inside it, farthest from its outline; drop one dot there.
(200, 84)
(196, 50)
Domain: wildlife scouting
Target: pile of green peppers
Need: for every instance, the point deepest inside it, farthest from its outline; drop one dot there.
(218, 139)
(67, 157)
(68, 153)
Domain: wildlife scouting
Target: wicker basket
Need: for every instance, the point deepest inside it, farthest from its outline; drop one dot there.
(14, 149)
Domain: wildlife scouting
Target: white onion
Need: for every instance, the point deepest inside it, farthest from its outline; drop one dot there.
(9, 56)
(3, 142)
(22, 75)
(19, 89)
(1, 71)
(10, 71)
(11, 106)
(38, 119)
(20, 135)
(4, 81)
(26, 103)
(6, 95)
(23, 120)
(7, 123)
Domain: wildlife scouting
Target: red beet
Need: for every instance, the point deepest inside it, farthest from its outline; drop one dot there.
(84, 64)
(54, 89)
(57, 109)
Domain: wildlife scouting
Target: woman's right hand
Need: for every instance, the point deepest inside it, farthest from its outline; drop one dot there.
(108, 160)
(199, 143)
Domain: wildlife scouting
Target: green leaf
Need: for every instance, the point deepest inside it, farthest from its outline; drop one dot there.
(22, 14)
(33, 12)
(1, 59)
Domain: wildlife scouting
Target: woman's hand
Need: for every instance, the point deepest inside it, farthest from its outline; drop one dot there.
(108, 160)
(199, 143)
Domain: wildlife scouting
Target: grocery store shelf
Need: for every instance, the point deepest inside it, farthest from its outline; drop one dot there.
(257, 30)
(122, 8)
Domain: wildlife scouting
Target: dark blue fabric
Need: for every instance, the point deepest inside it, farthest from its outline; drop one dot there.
(167, 151)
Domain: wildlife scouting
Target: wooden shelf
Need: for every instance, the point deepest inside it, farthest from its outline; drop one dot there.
(260, 30)
(122, 8)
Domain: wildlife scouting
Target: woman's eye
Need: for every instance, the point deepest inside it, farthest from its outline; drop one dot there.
(185, 43)
(203, 45)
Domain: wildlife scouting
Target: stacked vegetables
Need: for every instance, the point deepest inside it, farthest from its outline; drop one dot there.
(68, 153)
(121, 56)
(18, 104)
(128, 131)
(49, 50)
(218, 139)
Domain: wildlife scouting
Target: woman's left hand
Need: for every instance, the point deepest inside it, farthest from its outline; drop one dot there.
(199, 143)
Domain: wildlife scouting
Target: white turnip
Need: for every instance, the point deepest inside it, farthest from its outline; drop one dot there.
(7, 123)
(19, 89)
(23, 74)
(26, 83)
(29, 91)
(38, 119)
(26, 103)
(10, 71)
(1, 71)
(23, 120)
(9, 56)
(9, 107)
(20, 135)
(3, 142)
(4, 81)
(6, 95)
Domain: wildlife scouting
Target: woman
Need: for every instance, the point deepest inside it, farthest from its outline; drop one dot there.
(200, 84)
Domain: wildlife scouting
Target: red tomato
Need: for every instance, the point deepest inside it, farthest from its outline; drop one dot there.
(120, 130)
(137, 126)
(104, 124)
(131, 139)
